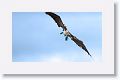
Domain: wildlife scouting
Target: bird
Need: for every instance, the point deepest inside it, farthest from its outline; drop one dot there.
(65, 31)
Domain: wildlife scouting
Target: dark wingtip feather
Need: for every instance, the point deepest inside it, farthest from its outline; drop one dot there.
(87, 51)
(89, 54)
(47, 12)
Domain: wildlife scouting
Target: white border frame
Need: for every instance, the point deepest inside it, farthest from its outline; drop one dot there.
(106, 66)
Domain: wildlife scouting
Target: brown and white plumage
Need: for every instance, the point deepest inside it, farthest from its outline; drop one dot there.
(59, 22)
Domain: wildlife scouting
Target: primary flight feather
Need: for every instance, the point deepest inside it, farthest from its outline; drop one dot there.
(59, 22)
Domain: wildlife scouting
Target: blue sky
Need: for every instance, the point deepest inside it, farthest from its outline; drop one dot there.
(36, 37)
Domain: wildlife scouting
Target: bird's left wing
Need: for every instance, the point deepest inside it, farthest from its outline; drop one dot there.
(59, 22)
(80, 44)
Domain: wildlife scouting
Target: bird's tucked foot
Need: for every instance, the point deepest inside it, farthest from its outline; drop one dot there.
(61, 33)
(66, 38)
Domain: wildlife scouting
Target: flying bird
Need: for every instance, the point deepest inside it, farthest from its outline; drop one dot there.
(66, 33)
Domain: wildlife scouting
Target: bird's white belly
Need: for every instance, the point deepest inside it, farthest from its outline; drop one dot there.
(66, 33)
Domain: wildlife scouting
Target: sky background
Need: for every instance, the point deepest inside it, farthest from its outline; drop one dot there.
(36, 37)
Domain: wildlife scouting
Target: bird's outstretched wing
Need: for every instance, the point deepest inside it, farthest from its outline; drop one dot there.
(57, 19)
(59, 22)
(80, 44)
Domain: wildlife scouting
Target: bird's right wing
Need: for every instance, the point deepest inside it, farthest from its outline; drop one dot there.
(59, 22)
(57, 19)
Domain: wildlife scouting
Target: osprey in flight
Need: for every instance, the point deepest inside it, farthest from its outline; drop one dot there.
(66, 33)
